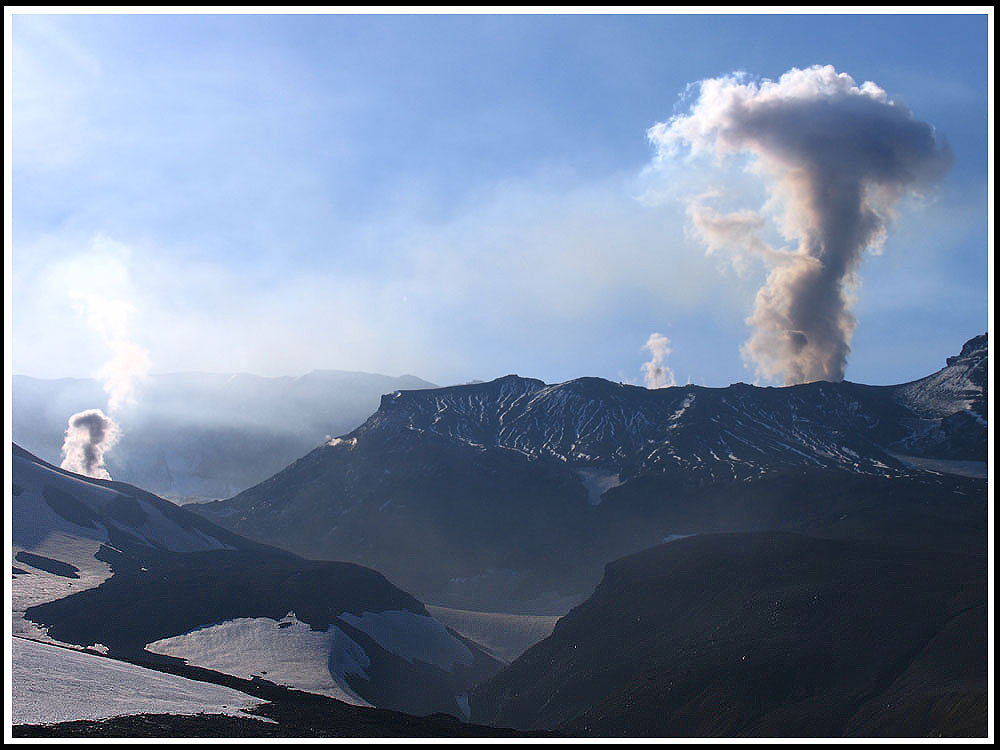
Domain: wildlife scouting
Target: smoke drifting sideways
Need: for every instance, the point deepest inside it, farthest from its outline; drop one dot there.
(655, 372)
(837, 158)
(92, 433)
(89, 435)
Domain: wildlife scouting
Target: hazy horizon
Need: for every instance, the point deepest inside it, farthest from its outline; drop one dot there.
(297, 375)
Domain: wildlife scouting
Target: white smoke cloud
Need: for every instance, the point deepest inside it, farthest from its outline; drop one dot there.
(737, 233)
(129, 362)
(838, 158)
(656, 372)
(91, 433)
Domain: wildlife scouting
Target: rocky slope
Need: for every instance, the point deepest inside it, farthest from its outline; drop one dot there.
(762, 634)
(512, 494)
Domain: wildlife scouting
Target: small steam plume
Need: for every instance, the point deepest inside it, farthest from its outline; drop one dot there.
(840, 157)
(90, 433)
(656, 372)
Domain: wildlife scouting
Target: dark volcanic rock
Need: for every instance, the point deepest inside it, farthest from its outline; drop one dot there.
(284, 722)
(513, 494)
(949, 408)
(423, 510)
(41, 562)
(761, 634)
(179, 593)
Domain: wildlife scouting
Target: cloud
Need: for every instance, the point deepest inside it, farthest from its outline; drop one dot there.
(837, 158)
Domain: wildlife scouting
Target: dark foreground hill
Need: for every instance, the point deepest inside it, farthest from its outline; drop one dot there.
(106, 565)
(278, 721)
(763, 634)
(511, 495)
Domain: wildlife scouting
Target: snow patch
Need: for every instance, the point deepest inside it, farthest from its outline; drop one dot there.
(975, 469)
(688, 400)
(34, 518)
(288, 653)
(674, 537)
(597, 482)
(52, 684)
(40, 586)
(463, 703)
(349, 442)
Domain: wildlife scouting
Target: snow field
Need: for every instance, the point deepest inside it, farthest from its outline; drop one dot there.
(52, 684)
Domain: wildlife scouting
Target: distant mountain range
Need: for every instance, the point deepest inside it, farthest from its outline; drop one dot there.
(512, 494)
(197, 436)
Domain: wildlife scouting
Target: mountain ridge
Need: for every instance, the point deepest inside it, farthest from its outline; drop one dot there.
(513, 493)
(592, 421)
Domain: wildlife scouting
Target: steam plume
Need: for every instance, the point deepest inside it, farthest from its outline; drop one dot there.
(840, 157)
(656, 372)
(90, 433)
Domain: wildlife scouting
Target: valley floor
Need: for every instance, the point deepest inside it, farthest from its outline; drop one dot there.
(505, 635)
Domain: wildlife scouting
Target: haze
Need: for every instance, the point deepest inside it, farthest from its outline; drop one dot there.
(455, 197)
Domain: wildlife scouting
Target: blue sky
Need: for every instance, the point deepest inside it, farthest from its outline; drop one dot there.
(452, 196)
